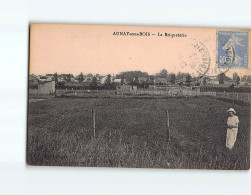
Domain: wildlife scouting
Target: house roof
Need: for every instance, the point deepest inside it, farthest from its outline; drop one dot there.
(49, 75)
(117, 80)
(160, 80)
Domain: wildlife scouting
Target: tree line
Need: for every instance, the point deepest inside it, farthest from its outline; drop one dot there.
(133, 78)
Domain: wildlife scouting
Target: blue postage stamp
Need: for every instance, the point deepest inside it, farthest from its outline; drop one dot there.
(232, 49)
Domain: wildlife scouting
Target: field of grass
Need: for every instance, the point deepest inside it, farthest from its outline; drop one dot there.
(132, 133)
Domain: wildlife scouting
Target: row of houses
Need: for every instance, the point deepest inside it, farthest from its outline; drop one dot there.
(35, 79)
(229, 82)
(70, 78)
(88, 79)
(60, 78)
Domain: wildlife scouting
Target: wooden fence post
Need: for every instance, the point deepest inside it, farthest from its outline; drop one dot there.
(168, 126)
(93, 122)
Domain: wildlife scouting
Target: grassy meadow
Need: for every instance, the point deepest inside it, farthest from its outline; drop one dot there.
(132, 133)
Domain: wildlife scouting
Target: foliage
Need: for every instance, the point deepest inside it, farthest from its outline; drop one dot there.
(181, 75)
(81, 78)
(122, 80)
(56, 78)
(204, 81)
(172, 78)
(188, 79)
(221, 77)
(108, 80)
(238, 80)
(151, 80)
(68, 78)
(108, 83)
(94, 83)
(235, 74)
(163, 73)
(136, 81)
(130, 75)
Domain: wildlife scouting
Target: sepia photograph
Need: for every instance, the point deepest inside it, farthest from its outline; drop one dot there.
(138, 97)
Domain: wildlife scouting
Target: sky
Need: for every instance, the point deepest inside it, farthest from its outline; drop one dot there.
(65, 48)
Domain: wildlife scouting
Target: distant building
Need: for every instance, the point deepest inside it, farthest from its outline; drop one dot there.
(74, 80)
(46, 88)
(60, 80)
(103, 79)
(64, 77)
(49, 77)
(67, 77)
(160, 81)
(87, 79)
(42, 78)
(117, 81)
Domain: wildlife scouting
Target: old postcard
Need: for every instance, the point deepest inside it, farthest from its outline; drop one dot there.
(139, 96)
